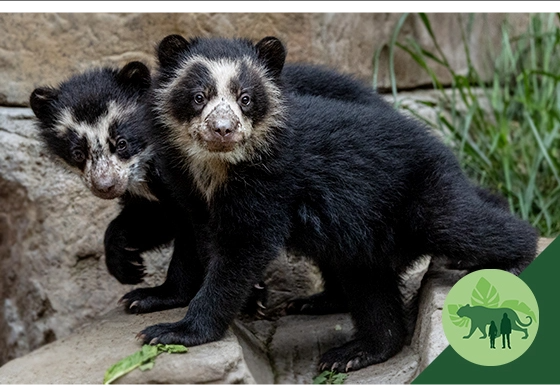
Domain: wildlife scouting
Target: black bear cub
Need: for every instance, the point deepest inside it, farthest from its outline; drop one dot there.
(99, 125)
(361, 189)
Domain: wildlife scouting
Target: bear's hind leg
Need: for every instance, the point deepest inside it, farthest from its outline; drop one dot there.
(376, 306)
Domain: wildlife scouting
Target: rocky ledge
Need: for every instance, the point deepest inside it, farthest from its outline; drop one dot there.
(281, 350)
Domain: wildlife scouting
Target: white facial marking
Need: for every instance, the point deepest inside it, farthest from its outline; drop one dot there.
(209, 168)
(101, 164)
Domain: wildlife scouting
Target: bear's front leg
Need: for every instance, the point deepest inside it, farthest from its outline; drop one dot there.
(141, 225)
(230, 276)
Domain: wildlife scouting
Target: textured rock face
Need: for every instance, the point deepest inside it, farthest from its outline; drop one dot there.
(47, 246)
(41, 49)
(51, 244)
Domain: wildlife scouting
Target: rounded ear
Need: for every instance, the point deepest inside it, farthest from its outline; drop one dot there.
(135, 74)
(41, 101)
(273, 53)
(170, 48)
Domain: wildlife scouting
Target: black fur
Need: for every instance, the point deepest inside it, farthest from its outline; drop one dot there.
(86, 96)
(362, 190)
(142, 224)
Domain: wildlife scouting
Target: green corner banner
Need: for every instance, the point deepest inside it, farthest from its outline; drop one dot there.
(540, 364)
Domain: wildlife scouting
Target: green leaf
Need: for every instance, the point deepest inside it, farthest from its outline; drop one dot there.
(147, 366)
(484, 294)
(459, 321)
(392, 54)
(339, 378)
(321, 378)
(126, 365)
(172, 348)
(520, 307)
(144, 359)
(329, 377)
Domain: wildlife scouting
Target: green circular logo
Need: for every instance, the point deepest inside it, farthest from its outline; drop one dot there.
(490, 317)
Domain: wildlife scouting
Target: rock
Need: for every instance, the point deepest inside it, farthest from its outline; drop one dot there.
(288, 277)
(84, 356)
(299, 341)
(41, 49)
(296, 343)
(400, 369)
(282, 350)
(429, 339)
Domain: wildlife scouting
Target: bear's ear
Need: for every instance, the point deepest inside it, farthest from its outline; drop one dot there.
(272, 52)
(41, 101)
(170, 49)
(136, 75)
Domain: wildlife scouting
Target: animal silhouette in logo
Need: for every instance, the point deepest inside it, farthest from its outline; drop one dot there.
(481, 317)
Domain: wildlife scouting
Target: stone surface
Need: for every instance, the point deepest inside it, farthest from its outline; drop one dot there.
(282, 350)
(429, 340)
(289, 277)
(41, 49)
(83, 357)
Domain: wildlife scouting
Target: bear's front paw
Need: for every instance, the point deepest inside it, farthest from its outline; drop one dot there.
(180, 333)
(126, 265)
(146, 300)
(256, 302)
(353, 355)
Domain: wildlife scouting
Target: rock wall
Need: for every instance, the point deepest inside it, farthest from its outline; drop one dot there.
(51, 243)
(40, 49)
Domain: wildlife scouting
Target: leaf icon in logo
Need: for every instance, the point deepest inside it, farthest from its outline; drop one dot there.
(457, 320)
(484, 294)
(520, 307)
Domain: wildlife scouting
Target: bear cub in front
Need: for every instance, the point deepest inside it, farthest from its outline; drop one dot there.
(362, 190)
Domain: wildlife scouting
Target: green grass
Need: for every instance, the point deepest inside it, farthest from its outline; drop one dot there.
(330, 377)
(503, 128)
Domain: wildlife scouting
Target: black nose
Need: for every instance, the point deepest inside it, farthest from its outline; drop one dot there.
(222, 127)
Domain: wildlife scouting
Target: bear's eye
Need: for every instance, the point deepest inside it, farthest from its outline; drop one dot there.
(78, 156)
(245, 100)
(121, 144)
(199, 98)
